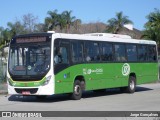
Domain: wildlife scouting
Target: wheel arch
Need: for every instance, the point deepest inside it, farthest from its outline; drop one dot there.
(82, 80)
(133, 74)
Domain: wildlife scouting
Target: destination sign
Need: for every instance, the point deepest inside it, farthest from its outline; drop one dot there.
(30, 39)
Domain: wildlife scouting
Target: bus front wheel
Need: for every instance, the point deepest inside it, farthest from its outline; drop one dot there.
(77, 91)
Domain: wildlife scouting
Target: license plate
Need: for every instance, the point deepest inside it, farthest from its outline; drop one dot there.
(26, 92)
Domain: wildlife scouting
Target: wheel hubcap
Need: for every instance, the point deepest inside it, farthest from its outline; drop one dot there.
(132, 85)
(77, 89)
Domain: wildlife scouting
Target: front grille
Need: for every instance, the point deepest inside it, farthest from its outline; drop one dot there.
(26, 78)
(31, 90)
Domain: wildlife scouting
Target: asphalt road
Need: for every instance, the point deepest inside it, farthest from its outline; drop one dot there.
(146, 98)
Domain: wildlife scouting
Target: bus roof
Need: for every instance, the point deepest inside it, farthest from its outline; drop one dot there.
(93, 37)
(102, 38)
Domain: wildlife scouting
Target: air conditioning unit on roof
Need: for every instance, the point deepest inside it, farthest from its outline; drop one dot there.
(109, 35)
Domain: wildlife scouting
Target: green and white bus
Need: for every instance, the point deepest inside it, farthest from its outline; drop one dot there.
(43, 64)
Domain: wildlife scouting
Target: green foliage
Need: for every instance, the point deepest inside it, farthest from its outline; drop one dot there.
(115, 24)
(69, 19)
(63, 20)
(152, 27)
(52, 21)
(28, 24)
(5, 37)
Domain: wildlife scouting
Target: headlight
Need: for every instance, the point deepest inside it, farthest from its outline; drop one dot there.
(47, 80)
(9, 81)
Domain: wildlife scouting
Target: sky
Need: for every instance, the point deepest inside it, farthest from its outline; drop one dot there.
(86, 10)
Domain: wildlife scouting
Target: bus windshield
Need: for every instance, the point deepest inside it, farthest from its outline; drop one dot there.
(29, 60)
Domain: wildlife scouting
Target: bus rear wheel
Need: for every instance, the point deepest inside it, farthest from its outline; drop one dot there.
(77, 91)
(131, 85)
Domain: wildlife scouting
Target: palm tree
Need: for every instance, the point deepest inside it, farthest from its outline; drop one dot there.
(69, 20)
(117, 23)
(51, 22)
(153, 20)
(61, 21)
(152, 27)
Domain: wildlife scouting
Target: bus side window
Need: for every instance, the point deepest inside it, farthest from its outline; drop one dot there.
(132, 52)
(92, 51)
(142, 53)
(120, 54)
(77, 51)
(107, 52)
(152, 56)
(74, 52)
(80, 51)
(64, 55)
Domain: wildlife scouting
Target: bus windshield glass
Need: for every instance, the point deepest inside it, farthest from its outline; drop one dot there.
(29, 60)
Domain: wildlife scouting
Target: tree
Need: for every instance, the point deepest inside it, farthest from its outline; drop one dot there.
(1, 36)
(61, 21)
(15, 28)
(55, 20)
(69, 19)
(152, 27)
(5, 37)
(40, 27)
(51, 22)
(29, 23)
(114, 25)
(77, 23)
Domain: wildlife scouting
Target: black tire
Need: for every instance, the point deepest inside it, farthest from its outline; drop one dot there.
(77, 90)
(131, 84)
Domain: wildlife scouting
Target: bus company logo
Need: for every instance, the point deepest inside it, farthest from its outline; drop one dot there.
(125, 69)
(89, 71)
(29, 67)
